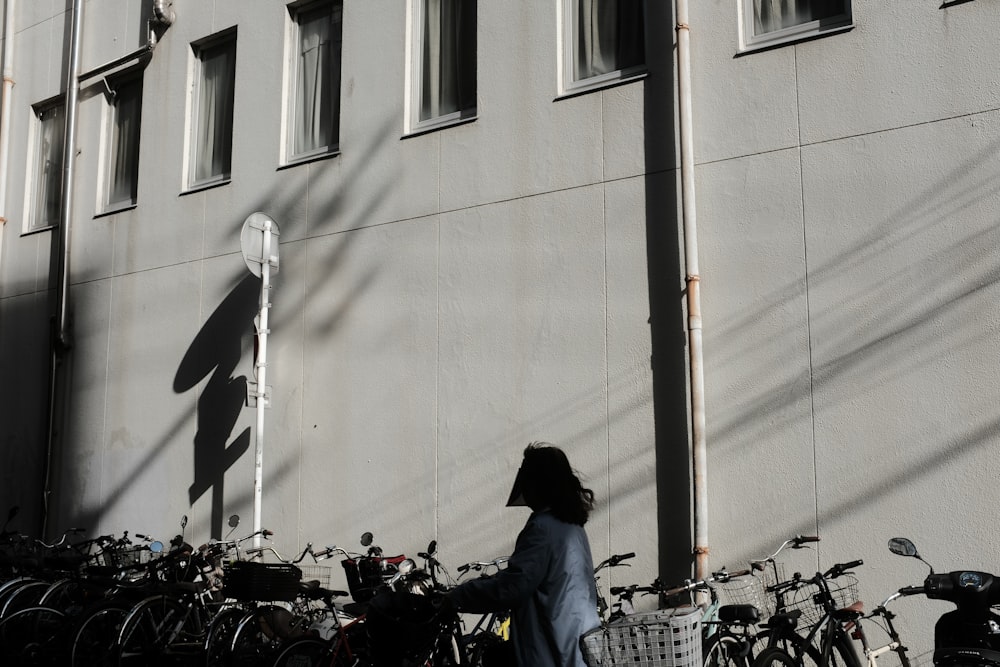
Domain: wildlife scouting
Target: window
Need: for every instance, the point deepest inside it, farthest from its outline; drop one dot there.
(603, 42)
(47, 182)
(771, 22)
(214, 90)
(122, 158)
(443, 63)
(313, 124)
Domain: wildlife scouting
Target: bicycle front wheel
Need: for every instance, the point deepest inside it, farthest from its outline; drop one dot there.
(726, 650)
(307, 652)
(775, 657)
(148, 631)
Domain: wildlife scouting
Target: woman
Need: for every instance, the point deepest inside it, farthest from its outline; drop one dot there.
(549, 581)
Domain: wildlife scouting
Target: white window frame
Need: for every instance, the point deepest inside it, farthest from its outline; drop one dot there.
(36, 220)
(414, 81)
(109, 202)
(194, 181)
(750, 41)
(569, 85)
(291, 154)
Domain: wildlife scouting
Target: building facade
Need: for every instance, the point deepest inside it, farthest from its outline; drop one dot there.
(481, 244)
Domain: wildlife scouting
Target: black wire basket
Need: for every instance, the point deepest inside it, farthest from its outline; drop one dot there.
(262, 582)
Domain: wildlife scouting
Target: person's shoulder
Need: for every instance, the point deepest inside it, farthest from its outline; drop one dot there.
(550, 523)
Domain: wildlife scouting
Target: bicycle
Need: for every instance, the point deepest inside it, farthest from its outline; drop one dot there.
(253, 635)
(826, 609)
(882, 617)
(614, 561)
(492, 629)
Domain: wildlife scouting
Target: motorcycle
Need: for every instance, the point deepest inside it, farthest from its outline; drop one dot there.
(968, 636)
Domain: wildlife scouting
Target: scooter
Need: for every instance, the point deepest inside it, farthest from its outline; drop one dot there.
(968, 636)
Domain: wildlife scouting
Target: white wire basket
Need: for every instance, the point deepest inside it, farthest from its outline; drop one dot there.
(663, 638)
(751, 589)
(316, 572)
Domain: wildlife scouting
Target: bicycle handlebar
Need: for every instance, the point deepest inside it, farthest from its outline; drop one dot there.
(479, 565)
(842, 568)
(614, 561)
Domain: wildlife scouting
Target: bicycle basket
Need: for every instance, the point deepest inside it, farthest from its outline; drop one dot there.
(366, 574)
(750, 589)
(264, 582)
(663, 638)
(809, 599)
(314, 572)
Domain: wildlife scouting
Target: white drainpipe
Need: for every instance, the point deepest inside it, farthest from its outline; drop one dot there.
(697, 379)
(6, 102)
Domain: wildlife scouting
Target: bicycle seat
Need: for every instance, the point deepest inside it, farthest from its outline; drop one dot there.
(787, 620)
(739, 613)
(851, 613)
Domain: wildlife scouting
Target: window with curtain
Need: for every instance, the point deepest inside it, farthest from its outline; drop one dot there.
(443, 78)
(603, 41)
(769, 22)
(123, 148)
(47, 197)
(215, 87)
(314, 113)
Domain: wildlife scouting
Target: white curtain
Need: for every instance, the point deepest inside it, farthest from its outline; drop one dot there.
(771, 15)
(215, 112)
(318, 95)
(448, 58)
(609, 37)
(125, 146)
(48, 193)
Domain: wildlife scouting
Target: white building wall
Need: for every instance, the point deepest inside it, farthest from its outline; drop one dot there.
(848, 228)
(442, 299)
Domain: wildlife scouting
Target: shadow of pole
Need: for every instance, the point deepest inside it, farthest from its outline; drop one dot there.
(215, 353)
(666, 298)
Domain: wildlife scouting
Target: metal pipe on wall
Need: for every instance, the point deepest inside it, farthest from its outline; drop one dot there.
(61, 342)
(6, 102)
(695, 354)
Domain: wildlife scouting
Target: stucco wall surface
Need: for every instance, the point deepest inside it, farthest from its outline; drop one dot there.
(441, 299)
(847, 213)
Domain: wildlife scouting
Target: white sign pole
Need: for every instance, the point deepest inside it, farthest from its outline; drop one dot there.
(261, 266)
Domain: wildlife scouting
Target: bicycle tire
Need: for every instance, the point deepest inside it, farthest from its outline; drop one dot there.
(220, 636)
(794, 644)
(774, 656)
(96, 636)
(723, 649)
(308, 652)
(258, 636)
(145, 633)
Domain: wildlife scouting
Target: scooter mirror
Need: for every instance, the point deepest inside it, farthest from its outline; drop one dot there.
(367, 539)
(903, 547)
(234, 520)
(156, 547)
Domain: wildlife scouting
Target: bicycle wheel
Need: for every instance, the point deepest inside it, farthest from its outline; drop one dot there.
(33, 636)
(96, 636)
(307, 652)
(774, 656)
(448, 650)
(723, 649)
(148, 630)
(220, 636)
(260, 634)
(842, 653)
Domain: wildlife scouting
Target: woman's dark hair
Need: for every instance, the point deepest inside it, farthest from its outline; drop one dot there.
(550, 482)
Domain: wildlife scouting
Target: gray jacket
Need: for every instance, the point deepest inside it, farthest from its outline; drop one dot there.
(549, 587)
